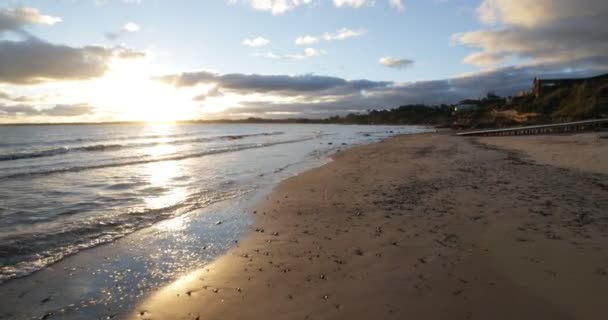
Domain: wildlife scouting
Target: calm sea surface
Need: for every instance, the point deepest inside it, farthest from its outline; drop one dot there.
(64, 189)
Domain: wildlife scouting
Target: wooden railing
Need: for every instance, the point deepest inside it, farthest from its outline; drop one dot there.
(586, 125)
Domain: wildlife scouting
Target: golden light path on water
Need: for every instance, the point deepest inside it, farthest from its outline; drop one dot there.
(162, 174)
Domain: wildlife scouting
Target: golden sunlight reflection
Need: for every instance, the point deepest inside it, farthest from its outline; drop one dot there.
(165, 193)
(162, 174)
(175, 224)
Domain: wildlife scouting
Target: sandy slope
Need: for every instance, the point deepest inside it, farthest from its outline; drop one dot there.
(417, 227)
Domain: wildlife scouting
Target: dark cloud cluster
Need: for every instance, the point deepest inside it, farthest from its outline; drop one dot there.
(564, 33)
(60, 110)
(275, 84)
(31, 60)
(319, 96)
(34, 61)
(9, 97)
(16, 19)
(391, 62)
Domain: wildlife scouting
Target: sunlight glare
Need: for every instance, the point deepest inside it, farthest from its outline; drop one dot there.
(131, 92)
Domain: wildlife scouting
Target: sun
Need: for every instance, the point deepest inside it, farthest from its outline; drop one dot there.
(129, 92)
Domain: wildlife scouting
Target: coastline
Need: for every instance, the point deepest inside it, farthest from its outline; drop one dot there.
(425, 226)
(108, 280)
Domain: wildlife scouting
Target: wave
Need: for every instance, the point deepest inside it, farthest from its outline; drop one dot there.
(105, 138)
(108, 147)
(71, 241)
(147, 159)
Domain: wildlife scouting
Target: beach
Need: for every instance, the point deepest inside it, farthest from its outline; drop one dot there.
(427, 226)
(95, 217)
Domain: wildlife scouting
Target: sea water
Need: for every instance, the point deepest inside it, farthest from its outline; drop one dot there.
(93, 217)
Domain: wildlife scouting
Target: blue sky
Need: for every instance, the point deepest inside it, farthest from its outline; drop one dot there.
(209, 35)
(410, 51)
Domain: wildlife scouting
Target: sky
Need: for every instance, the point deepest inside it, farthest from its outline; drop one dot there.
(160, 60)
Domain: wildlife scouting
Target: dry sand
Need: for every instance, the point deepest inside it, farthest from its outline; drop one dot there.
(429, 226)
(585, 152)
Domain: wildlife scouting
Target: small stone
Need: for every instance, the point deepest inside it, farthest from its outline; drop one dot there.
(218, 223)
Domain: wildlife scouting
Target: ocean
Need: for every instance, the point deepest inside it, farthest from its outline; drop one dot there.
(92, 217)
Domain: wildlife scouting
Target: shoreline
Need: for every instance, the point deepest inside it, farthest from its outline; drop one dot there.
(397, 228)
(107, 280)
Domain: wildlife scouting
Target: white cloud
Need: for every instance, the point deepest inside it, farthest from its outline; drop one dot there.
(256, 42)
(397, 4)
(276, 7)
(343, 33)
(131, 27)
(305, 54)
(340, 34)
(312, 52)
(352, 3)
(306, 40)
(396, 63)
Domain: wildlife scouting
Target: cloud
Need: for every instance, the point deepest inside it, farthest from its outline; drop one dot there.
(213, 92)
(306, 40)
(560, 32)
(276, 7)
(256, 42)
(276, 84)
(34, 61)
(343, 34)
(68, 110)
(396, 63)
(61, 110)
(279, 7)
(129, 27)
(397, 4)
(352, 3)
(312, 52)
(17, 18)
(126, 53)
(104, 2)
(5, 95)
(340, 34)
(321, 96)
(305, 54)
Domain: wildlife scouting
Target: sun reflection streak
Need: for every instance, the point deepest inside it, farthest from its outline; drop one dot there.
(175, 224)
(163, 174)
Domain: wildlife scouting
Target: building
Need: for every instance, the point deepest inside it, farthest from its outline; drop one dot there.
(468, 104)
(545, 86)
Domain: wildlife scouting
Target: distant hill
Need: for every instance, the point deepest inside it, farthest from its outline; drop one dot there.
(582, 101)
(585, 99)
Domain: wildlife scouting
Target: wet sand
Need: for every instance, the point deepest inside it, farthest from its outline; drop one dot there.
(429, 226)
